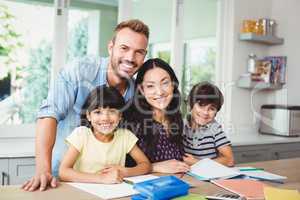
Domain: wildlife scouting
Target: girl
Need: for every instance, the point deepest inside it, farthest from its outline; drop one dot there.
(97, 149)
(155, 117)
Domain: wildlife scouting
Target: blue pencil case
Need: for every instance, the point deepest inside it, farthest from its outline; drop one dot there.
(162, 188)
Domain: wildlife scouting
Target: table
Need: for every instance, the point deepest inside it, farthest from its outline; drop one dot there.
(285, 167)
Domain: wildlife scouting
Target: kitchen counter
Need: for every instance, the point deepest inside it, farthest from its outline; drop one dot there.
(25, 147)
(17, 147)
(259, 139)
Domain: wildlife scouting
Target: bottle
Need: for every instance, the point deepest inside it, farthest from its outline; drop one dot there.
(251, 63)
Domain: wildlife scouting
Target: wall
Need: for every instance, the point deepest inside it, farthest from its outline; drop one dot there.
(287, 15)
(199, 19)
(245, 104)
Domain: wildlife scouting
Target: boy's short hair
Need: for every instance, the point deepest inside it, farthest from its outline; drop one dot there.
(206, 93)
(134, 25)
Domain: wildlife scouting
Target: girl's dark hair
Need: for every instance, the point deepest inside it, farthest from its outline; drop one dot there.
(206, 93)
(141, 112)
(101, 96)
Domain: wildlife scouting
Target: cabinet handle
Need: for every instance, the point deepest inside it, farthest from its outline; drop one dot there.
(2, 178)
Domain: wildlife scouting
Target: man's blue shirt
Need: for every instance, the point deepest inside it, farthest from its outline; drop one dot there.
(67, 95)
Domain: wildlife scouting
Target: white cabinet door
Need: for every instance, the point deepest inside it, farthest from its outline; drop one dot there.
(4, 171)
(20, 170)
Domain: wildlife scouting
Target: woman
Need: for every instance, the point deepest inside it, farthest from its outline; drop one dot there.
(155, 118)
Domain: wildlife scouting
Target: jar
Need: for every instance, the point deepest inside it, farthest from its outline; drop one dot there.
(248, 26)
(251, 62)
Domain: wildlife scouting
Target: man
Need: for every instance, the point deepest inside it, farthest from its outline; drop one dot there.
(60, 112)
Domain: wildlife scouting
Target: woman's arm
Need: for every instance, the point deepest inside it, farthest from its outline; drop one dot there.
(67, 173)
(225, 156)
(170, 166)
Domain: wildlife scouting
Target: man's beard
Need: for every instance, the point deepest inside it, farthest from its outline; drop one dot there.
(115, 67)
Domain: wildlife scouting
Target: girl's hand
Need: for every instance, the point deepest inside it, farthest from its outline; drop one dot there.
(189, 159)
(118, 167)
(111, 176)
(170, 166)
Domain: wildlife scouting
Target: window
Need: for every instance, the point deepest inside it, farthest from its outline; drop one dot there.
(26, 34)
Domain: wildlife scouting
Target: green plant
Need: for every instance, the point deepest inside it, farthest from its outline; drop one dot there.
(36, 81)
(78, 40)
(37, 73)
(10, 42)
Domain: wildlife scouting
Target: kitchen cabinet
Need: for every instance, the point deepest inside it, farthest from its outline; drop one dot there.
(4, 171)
(261, 152)
(15, 171)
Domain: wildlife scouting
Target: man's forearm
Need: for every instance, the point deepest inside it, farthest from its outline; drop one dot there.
(45, 139)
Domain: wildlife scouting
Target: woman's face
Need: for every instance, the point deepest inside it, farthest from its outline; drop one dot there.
(157, 87)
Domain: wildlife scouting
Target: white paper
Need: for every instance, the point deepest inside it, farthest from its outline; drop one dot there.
(138, 179)
(260, 174)
(209, 169)
(106, 191)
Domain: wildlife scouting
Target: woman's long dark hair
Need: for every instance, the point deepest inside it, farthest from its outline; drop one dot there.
(141, 113)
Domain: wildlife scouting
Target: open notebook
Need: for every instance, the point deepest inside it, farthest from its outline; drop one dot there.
(260, 174)
(111, 191)
(207, 169)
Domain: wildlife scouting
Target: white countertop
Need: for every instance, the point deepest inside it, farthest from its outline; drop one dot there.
(259, 139)
(25, 147)
(16, 147)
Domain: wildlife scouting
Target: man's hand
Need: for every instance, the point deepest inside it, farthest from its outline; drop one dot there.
(40, 181)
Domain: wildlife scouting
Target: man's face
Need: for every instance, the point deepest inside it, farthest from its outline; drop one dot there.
(127, 52)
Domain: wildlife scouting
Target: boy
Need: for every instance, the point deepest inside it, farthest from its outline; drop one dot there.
(203, 135)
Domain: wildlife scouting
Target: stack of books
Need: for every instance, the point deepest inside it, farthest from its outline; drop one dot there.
(271, 69)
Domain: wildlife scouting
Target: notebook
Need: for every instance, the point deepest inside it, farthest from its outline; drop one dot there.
(138, 179)
(249, 189)
(106, 191)
(272, 193)
(207, 169)
(260, 174)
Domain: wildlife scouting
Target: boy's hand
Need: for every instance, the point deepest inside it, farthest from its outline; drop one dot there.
(111, 176)
(189, 159)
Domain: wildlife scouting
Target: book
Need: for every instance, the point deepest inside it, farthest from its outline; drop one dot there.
(191, 196)
(260, 174)
(262, 71)
(249, 189)
(137, 179)
(207, 169)
(106, 191)
(278, 69)
(272, 193)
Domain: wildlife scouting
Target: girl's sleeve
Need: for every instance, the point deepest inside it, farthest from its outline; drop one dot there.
(76, 138)
(131, 140)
